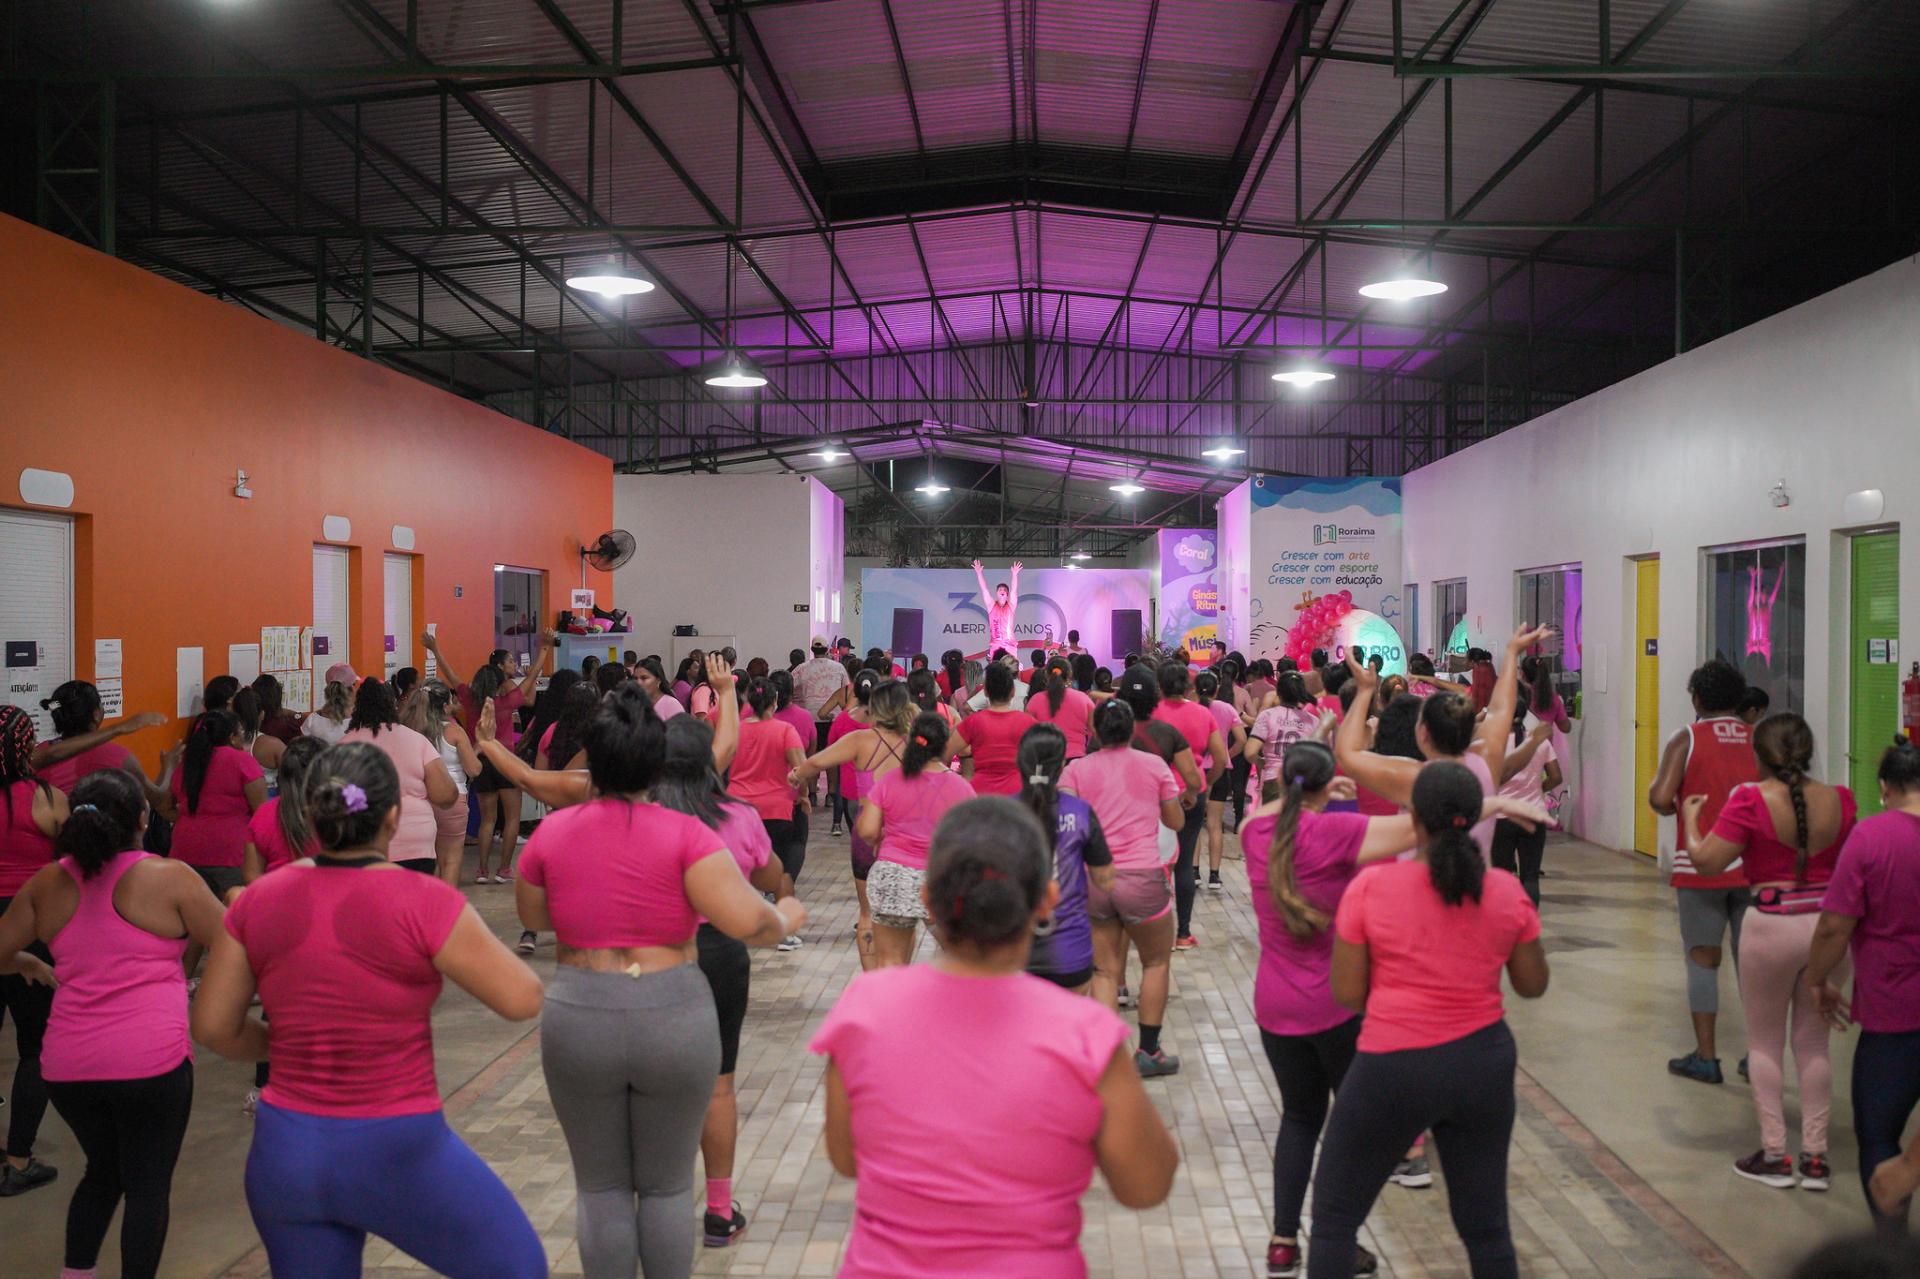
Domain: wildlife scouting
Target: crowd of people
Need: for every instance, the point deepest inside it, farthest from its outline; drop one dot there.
(1041, 820)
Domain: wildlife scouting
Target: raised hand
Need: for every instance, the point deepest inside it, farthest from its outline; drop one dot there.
(483, 731)
(1017, 566)
(1365, 678)
(720, 677)
(978, 567)
(1526, 635)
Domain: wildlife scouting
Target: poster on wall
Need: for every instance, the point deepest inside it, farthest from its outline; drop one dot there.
(1324, 561)
(1189, 593)
(930, 610)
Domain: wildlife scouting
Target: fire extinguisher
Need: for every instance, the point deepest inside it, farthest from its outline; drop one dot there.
(1910, 704)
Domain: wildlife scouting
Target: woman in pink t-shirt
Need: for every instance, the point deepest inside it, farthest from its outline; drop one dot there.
(425, 784)
(688, 784)
(964, 1171)
(1419, 948)
(898, 819)
(1197, 728)
(1134, 794)
(502, 683)
(1785, 831)
(31, 814)
(216, 789)
(278, 833)
(117, 1061)
(348, 953)
(1291, 717)
(1064, 706)
(83, 746)
(630, 1042)
(769, 751)
(993, 737)
(1207, 690)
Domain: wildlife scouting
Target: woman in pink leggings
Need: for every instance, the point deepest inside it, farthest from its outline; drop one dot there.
(1785, 831)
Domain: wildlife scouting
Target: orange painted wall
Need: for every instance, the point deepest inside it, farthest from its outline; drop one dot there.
(152, 396)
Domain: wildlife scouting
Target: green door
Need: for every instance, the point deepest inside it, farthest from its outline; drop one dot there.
(1874, 661)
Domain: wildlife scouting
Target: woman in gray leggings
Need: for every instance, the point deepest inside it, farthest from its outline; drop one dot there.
(630, 1040)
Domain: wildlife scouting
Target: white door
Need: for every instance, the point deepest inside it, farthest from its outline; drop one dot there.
(399, 627)
(332, 624)
(36, 609)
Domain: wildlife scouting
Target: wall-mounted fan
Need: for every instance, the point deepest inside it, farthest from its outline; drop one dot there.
(607, 553)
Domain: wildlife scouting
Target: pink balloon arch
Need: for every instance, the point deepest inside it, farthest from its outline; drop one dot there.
(1315, 626)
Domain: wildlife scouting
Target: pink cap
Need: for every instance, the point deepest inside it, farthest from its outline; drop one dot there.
(341, 673)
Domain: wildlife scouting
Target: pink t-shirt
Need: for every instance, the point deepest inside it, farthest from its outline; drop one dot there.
(941, 1137)
(505, 704)
(263, 832)
(412, 755)
(745, 836)
(1291, 990)
(1476, 763)
(1225, 720)
(121, 1010)
(805, 726)
(343, 957)
(1435, 968)
(666, 706)
(910, 809)
(995, 739)
(215, 834)
(1195, 723)
(62, 775)
(23, 849)
(1075, 718)
(1125, 789)
(1768, 859)
(1877, 882)
(759, 772)
(615, 873)
(1528, 784)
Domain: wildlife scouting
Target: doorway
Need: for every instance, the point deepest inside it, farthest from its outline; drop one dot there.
(1646, 702)
(518, 601)
(36, 610)
(1873, 665)
(332, 611)
(398, 605)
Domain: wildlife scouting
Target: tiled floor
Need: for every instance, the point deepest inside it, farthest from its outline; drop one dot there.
(1617, 1168)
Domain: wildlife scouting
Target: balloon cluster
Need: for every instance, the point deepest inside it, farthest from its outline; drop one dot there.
(1315, 626)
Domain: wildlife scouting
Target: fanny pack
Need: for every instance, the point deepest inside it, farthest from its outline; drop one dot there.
(1775, 900)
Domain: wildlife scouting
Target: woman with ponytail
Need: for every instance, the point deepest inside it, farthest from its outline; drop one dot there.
(1062, 703)
(969, 1171)
(83, 746)
(1785, 833)
(118, 1062)
(1872, 907)
(1287, 717)
(1300, 860)
(898, 819)
(992, 736)
(1418, 947)
(1063, 945)
(349, 952)
(216, 790)
(769, 750)
(279, 832)
(1218, 701)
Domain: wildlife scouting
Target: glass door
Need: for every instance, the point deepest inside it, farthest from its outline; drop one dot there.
(518, 606)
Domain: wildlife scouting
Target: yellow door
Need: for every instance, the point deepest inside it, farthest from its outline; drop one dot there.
(1646, 702)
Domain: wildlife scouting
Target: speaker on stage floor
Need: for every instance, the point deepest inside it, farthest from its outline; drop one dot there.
(1126, 635)
(908, 623)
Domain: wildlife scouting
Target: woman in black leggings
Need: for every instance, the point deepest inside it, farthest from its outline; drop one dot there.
(118, 1063)
(1418, 947)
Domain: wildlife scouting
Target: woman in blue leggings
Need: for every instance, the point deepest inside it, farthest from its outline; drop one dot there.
(348, 951)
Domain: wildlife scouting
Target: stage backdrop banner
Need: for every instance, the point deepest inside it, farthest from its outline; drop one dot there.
(1052, 602)
(1314, 537)
(1189, 592)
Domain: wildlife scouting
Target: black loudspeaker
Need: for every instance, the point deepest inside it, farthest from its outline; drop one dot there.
(908, 623)
(1126, 632)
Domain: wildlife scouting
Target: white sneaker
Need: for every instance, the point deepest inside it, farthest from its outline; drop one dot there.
(252, 1102)
(790, 942)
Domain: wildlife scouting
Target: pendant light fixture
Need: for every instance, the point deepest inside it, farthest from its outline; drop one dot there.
(1304, 376)
(613, 282)
(1409, 280)
(734, 369)
(1225, 452)
(1126, 488)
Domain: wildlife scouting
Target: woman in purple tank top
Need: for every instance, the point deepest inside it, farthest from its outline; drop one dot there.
(1063, 946)
(118, 1061)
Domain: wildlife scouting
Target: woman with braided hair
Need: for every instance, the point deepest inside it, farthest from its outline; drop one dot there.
(1300, 860)
(1785, 831)
(35, 812)
(1063, 946)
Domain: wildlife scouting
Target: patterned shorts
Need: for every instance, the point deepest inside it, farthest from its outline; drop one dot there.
(893, 894)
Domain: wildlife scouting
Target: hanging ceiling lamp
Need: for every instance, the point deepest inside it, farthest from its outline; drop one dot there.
(1303, 377)
(614, 282)
(1126, 488)
(1403, 285)
(736, 372)
(1225, 452)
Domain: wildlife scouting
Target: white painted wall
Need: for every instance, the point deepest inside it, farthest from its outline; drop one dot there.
(730, 554)
(1825, 396)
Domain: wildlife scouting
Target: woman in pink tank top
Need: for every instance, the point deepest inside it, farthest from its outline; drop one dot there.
(117, 1060)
